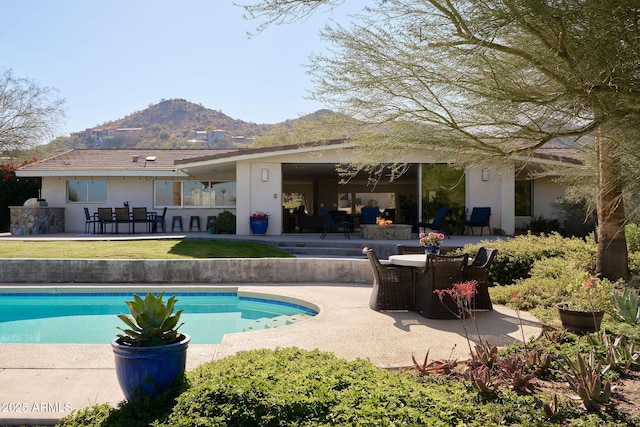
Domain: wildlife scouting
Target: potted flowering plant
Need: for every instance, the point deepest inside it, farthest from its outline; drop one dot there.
(583, 309)
(259, 222)
(431, 242)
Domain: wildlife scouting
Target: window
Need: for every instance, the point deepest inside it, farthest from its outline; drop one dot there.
(443, 186)
(86, 191)
(523, 197)
(203, 194)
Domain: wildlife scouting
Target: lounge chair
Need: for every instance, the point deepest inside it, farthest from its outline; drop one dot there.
(438, 223)
(392, 285)
(331, 225)
(369, 214)
(479, 218)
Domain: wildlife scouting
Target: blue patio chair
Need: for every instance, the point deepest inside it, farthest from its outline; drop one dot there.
(438, 222)
(368, 214)
(331, 225)
(159, 220)
(479, 218)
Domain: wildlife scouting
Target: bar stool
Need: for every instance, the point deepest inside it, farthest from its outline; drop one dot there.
(176, 220)
(194, 220)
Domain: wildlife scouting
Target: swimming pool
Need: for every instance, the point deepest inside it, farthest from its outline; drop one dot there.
(90, 318)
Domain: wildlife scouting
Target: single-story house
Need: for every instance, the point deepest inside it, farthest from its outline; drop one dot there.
(285, 180)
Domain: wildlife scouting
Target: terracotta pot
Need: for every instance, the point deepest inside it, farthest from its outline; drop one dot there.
(579, 321)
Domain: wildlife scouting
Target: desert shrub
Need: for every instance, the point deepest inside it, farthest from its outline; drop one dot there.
(551, 282)
(516, 256)
(540, 225)
(632, 233)
(577, 217)
(634, 265)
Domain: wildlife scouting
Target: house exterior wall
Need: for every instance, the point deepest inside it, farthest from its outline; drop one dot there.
(138, 191)
(255, 195)
(497, 192)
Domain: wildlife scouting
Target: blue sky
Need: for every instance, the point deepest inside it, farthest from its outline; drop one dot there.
(108, 59)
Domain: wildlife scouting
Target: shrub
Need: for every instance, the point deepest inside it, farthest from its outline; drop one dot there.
(517, 256)
(632, 234)
(549, 285)
(540, 224)
(225, 222)
(293, 387)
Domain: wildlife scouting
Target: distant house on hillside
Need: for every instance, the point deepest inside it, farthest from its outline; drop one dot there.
(281, 180)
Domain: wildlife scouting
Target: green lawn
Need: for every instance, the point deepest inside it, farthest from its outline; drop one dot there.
(138, 249)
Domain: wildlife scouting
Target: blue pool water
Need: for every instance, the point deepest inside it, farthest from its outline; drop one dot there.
(91, 318)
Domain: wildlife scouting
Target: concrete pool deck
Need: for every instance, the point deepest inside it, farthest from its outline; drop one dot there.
(41, 383)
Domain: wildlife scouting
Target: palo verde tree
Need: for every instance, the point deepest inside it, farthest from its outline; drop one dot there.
(29, 113)
(494, 77)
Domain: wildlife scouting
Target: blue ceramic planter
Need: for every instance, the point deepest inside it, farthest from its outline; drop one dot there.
(431, 250)
(259, 225)
(149, 369)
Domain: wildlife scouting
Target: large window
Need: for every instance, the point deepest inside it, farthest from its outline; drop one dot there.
(203, 194)
(443, 186)
(86, 191)
(523, 197)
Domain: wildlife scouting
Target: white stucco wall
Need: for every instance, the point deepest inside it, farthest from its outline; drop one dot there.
(138, 191)
(497, 193)
(255, 195)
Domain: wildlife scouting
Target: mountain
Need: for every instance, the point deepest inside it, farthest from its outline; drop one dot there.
(179, 117)
(173, 123)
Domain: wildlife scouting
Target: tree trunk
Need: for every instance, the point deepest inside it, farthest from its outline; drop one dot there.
(612, 257)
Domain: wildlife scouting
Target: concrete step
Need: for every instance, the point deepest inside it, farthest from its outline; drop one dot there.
(274, 322)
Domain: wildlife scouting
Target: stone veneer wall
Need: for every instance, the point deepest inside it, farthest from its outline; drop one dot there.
(27, 220)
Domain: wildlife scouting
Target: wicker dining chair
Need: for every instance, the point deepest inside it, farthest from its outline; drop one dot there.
(393, 286)
(409, 249)
(478, 270)
(439, 272)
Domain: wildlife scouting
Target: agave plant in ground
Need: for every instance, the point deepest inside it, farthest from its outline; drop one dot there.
(152, 322)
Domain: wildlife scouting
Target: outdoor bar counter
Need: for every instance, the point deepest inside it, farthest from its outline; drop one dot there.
(36, 220)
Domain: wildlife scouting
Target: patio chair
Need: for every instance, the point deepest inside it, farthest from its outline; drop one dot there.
(369, 214)
(409, 249)
(123, 217)
(438, 222)
(140, 215)
(331, 225)
(105, 216)
(392, 285)
(158, 220)
(479, 218)
(478, 270)
(440, 272)
(90, 220)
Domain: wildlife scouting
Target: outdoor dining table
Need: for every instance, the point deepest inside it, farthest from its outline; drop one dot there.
(411, 260)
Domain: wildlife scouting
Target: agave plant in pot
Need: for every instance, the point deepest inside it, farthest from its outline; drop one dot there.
(150, 353)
